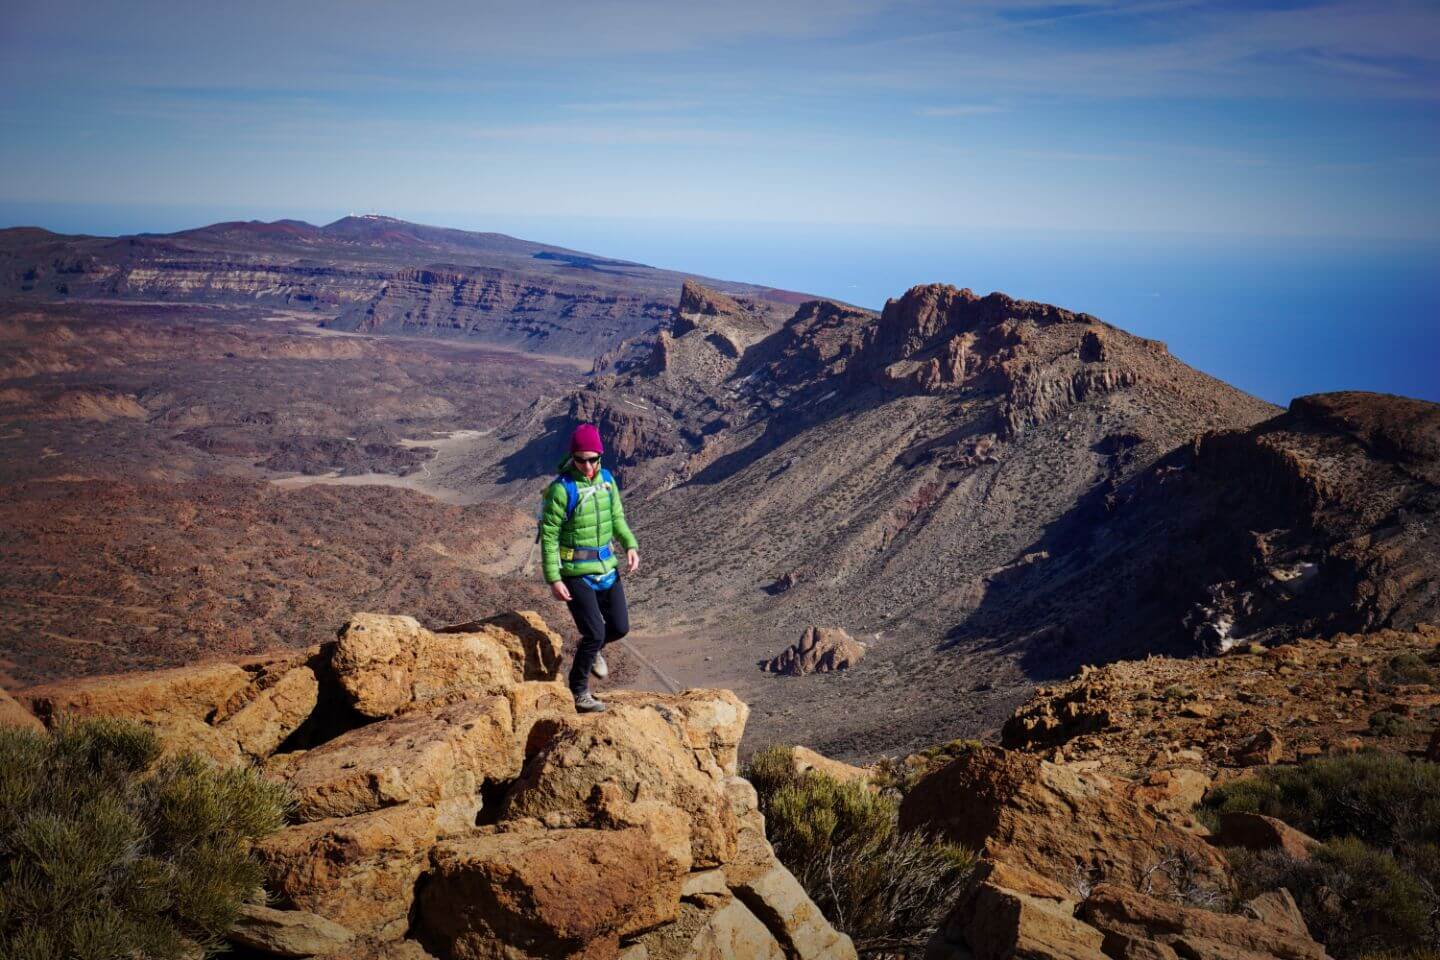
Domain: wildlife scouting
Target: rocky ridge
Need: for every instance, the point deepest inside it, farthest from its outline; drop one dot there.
(450, 802)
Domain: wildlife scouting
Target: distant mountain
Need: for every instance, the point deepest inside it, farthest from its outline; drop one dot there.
(374, 274)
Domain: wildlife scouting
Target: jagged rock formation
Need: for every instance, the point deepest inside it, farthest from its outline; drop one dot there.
(819, 650)
(454, 764)
(368, 273)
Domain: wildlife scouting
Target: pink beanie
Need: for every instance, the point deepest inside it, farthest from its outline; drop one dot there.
(586, 437)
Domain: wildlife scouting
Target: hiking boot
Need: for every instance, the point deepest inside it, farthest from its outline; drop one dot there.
(600, 668)
(586, 703)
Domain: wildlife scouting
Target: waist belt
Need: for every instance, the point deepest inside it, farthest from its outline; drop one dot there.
(598, 582)
(582, 554)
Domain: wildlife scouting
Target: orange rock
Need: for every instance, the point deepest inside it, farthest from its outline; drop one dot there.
(388, 665)
(644, 754)
(415, 758)
(357, 871)
(1256, 832)
(805, 759)
(190, 692)
(276, 712)
(1052, 820)
(713, 722)
(544, 894)
(1264, 749)
(534, 649)
(14, 714)
(1189, 931)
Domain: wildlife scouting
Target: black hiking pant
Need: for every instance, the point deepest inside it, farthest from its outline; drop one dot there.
(601, 617)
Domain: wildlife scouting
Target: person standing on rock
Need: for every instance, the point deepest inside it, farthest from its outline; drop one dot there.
(579, 518)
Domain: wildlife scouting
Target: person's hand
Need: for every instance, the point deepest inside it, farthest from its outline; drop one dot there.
(632, 561)
(561, 591)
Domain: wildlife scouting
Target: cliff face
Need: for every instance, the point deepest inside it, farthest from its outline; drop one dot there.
(494, 306)
(372, 274)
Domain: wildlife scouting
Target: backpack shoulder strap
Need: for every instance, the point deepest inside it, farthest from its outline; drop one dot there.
(572, 494)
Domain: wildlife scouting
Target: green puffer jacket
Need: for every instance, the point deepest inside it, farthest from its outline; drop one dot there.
(598, 519)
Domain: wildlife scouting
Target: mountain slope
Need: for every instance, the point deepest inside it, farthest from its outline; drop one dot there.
(989, 491)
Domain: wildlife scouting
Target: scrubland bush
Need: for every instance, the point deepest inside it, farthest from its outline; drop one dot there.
(1374, 884)
(888, 890)
(1407, 668)
(108, 851)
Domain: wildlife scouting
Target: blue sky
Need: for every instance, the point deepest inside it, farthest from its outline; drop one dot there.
(1258, 184)
(1239, 118)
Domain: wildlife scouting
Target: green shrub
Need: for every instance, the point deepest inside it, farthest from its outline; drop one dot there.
(1374, 885)
(1407, 668)
(1388, 723)
(1355, 899)
(888, 890)
(1384, 799)
(108, 851)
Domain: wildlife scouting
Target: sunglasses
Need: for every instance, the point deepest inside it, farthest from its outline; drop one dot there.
(586, 459)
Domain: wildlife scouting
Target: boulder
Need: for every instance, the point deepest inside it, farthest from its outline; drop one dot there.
(357, 871)
(544, 894)
(1254, 831)
(264, 722)
(1006, 923)
(644, 756)
(535, 650)
(1131, 918)
(777, 898)
(805, 760)
(414, 758)
(192, 693)
(533, 700)
(287, 933)
(1056, 821)
(188, 735)
(1277, 908)
(14, 714)
(719, 930)
(711, 721)
(1264, 749)
(1173, 793)
(388, 665)
(819, 650)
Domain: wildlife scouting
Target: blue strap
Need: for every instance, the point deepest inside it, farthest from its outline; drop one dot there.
(598, 582)
(572, 495)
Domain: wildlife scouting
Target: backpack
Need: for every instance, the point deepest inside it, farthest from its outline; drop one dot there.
(572, 497)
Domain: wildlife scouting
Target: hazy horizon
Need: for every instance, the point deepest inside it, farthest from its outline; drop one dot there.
(1278, 318)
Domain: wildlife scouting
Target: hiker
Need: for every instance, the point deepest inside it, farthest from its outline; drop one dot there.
(580, 515)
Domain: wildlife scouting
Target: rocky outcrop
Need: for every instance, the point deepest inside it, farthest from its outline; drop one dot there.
(1058, 821)
(450, 802)
(819, 650)
(1138, 926)
(388, 665)
(1168, 720)
(1013, 913)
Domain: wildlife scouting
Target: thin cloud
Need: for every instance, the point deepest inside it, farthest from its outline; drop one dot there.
(960, 110)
